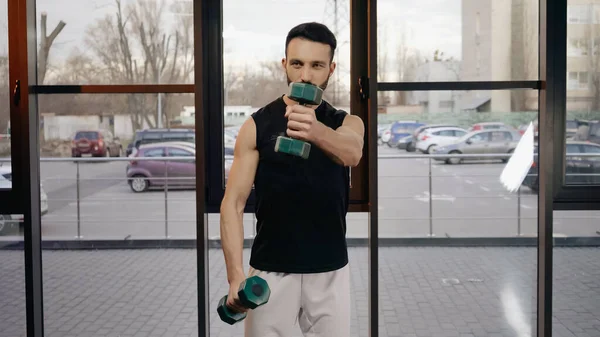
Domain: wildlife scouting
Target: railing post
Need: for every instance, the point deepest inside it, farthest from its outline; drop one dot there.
(430, 202)
(166, 200)
(519, 211)
(78, 201)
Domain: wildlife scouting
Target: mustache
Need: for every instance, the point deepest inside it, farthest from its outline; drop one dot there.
(323, 86)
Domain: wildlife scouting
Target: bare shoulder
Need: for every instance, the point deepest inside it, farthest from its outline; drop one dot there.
(246, 139)
(244, 165)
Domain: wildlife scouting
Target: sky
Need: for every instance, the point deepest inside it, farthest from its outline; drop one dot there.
(256, 30)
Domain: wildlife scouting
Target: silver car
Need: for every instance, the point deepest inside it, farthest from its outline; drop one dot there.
(487, 142)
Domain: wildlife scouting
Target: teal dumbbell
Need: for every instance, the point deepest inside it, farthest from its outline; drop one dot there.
(305, 94)
(253, 292)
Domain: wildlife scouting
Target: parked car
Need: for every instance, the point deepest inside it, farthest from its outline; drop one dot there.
(411, 146)
(405, 143)
(523, 127)
(579, 170)
(10, 223)
(488, 126)
(401, 129)
(433, 137)
(381, 128)
(481, 142)
(96, 143)
(572, 126)
(587, 131)
(149, 136)
(143, 175)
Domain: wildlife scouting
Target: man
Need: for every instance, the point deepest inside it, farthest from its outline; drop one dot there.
(301, 204)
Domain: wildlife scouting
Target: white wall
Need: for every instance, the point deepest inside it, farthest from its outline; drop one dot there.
(64, 127)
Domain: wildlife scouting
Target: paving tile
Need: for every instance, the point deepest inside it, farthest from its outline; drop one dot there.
(424, 291)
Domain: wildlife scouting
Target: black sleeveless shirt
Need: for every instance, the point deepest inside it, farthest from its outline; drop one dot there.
(301, 204)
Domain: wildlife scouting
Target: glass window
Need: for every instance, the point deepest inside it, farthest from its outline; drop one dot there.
(437, 197)
(107, 204)
(253, 47)
(154, 152)
(480, 137)
(583, 77)
(116, 42)
(475, 45)
(253, 50)
(174, 152)
(445, 133)
(572, 148)
(591, 149)
(91, 135)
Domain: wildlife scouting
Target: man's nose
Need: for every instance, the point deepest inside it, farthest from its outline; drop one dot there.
(306, 74)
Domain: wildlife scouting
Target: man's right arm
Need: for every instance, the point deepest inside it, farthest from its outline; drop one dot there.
(239, 185)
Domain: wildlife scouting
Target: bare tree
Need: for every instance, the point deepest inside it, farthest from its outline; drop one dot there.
(255, 86)
(407, 62)
(133, 46)
(46, 42)
(382, 64)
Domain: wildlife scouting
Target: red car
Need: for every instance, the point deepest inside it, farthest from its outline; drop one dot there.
(96, 144)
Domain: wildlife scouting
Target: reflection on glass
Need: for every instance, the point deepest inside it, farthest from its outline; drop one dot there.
(115, 42)
(132, 190)
(12, 276)
(583, 97)
(482, 40)
(4, 83)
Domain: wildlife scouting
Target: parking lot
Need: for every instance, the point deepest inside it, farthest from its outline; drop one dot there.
(467, 200)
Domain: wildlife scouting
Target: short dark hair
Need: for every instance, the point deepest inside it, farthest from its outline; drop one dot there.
(313, 31)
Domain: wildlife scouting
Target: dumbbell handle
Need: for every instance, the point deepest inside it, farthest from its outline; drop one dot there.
(227, 311)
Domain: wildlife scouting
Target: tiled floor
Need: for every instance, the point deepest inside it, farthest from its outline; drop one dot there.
(424, 291)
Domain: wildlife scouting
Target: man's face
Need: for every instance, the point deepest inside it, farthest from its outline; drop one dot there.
(308, 62)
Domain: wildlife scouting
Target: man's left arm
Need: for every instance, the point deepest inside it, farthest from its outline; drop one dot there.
(345, 144)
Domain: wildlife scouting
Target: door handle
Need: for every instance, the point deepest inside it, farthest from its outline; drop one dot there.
(17, 93)
(363, 87)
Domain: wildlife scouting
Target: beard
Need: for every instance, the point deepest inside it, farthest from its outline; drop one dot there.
(323, 86)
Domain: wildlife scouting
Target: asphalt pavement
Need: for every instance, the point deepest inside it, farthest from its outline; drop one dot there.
(465, 200)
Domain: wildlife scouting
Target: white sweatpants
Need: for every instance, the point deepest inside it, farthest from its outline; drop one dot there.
(319, 303)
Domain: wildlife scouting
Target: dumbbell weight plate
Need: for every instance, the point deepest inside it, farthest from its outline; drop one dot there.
(227, 315)
(254, 292)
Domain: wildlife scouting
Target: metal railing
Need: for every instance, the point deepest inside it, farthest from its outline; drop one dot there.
(170, 182)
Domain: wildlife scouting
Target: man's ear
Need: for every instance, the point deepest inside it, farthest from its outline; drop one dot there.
(332, 67)
(283, 63)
